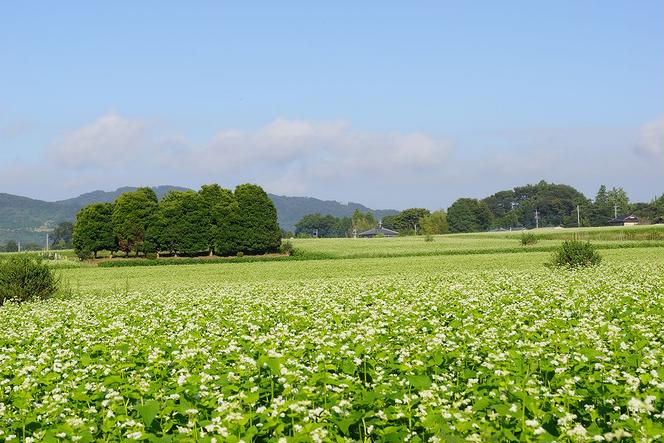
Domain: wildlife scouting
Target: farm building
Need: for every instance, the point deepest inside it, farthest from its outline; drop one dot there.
(377, 232)
(625, 220)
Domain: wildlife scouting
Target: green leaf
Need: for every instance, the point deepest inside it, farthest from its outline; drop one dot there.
(148, 411)
(420, 381)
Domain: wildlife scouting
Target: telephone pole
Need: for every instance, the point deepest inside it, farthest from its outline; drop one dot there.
(578, 217)
(47, 242)
(536, 219)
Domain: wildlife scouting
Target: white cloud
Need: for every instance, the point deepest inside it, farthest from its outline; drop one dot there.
(319, 150)
(334, 160)
(109, 141)
(649, 142)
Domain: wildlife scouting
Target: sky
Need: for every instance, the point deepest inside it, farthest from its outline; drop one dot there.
(390, 104)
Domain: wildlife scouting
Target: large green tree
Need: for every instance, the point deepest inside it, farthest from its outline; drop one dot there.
(93, 230)
(256, 230)
(469, 215)
(405, 222)
(133, 214)
(362, 221)
(323, 226)
(186, 223)
(223, 218)
(435, 223)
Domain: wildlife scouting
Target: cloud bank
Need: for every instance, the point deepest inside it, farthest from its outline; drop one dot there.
(335, 160)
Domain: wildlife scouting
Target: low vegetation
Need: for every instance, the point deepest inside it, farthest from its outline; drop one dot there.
(574, 254)
(26, 277)
(528, 238)
(526, 354)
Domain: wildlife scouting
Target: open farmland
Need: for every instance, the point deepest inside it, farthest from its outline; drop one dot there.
(488, 346)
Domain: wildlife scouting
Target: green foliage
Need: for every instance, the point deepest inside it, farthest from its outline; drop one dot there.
(405, 221)
(323, 225)
(362, 221)
(93, 230)
(256, 230)
(287, 248)
(428, 238)
(435, 223)
(528, 238)
(25, 277)
(166, 352)
(184, 221)
(132, 215)
(469, 215)
(574, 254)
(223, 215)
(61, 237)
(555, 204)
(11, 246)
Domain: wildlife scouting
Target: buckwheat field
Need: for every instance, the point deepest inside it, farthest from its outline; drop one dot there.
(476, 348)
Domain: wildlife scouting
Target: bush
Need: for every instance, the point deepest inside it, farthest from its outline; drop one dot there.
(286, 248)
(528, 238)
(84, 254)
(240, 254)
(428, 237)
(26, 277)
(574, 253)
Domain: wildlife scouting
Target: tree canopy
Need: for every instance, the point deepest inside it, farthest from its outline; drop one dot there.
(183, 222)
(93, 230)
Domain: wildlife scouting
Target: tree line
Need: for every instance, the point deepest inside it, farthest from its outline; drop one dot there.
(406, 222)
(213, 220)
(556, 205)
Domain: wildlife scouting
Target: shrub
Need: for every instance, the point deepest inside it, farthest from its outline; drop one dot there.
(26, 277)
(574, 253)
(240, 254)
(428, 237)
(528, 238)
(84, 254)
(287, 248)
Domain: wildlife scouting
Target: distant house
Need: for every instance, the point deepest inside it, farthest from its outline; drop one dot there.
(625, 220)
(378, 232)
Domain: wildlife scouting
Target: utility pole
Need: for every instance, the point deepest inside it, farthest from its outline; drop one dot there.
(578, 216)
(536, 219)
(615, 211)
(19, 246)
(47, 242)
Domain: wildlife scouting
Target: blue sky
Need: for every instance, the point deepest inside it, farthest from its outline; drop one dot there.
(392, 104)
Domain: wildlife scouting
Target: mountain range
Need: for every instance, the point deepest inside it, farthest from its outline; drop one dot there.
(27, 220)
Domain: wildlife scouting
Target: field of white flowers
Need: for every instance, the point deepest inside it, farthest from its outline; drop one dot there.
(524, 355)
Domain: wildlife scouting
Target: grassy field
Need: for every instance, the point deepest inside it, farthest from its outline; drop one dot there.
(549, 238)
(482, 346)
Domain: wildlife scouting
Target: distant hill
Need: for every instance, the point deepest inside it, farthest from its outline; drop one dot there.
(27, 220)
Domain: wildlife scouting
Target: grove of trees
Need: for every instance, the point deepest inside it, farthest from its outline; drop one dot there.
(213, 221)
(320, 225)
(556, 205)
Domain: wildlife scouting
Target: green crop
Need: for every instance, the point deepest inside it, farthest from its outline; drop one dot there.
(492, 347)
